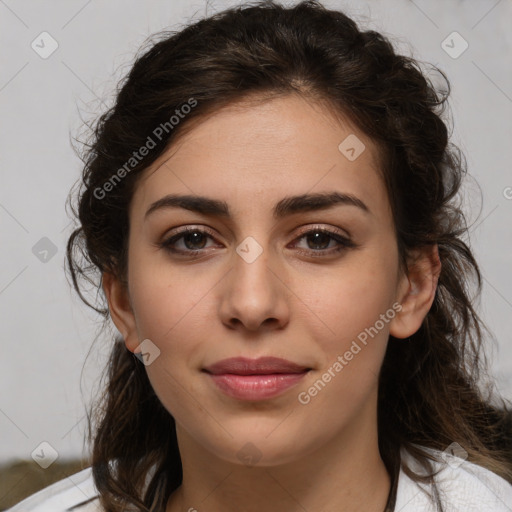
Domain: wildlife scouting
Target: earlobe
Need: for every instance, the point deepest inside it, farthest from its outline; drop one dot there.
(120, 309)
(416, 291)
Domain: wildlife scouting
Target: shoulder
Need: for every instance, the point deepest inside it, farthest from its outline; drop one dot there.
(461, 485)
(75, 492)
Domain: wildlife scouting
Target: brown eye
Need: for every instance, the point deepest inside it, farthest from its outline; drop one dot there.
(194, 240)
(318, 241)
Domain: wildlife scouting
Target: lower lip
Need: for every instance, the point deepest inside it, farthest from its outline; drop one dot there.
(256, 387)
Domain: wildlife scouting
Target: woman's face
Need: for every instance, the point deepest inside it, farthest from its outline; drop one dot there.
(253, 283)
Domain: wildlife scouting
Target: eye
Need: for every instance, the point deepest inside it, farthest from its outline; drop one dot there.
(194, 242)
(322, 238)
(191, 237)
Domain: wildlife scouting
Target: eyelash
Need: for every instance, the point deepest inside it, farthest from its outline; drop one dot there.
(344, 243)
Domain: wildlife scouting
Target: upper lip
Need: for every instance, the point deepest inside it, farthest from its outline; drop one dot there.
(260, 366)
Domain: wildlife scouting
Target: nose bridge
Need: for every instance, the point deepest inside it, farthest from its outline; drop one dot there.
(250, 265)
(252, 292)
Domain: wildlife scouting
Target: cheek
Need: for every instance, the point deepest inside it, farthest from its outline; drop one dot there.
(165, 299)
(172, 322)
(173, 386)
(356, 313)
(345, 306)
(169, 309)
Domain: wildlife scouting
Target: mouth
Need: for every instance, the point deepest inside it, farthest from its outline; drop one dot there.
(255, 379)
(260, 366)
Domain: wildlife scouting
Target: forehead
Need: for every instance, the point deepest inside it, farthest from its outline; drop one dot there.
(253, 153)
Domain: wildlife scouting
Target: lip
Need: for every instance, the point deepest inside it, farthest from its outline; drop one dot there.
(255, 379)
(260, 366)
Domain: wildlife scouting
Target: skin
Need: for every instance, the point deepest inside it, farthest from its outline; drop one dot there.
(322, 456)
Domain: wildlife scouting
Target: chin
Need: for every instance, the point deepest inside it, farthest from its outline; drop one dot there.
(259, 449)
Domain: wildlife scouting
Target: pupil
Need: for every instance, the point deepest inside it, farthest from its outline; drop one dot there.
(194, 236)
(318, 236)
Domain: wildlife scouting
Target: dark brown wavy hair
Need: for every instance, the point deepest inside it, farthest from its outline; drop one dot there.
(429, 393)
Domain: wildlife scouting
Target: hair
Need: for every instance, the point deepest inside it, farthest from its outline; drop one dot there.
(429, 394)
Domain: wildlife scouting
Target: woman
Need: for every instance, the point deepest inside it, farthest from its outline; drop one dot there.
(270, 207)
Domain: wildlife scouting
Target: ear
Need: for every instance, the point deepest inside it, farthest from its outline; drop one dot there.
(416, 291)
(120, 309)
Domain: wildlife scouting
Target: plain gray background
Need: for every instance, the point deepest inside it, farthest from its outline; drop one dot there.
(46, 330)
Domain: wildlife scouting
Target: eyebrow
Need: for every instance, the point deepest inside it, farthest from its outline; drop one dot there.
(287, 206)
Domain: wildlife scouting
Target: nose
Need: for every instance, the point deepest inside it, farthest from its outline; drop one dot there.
(254, 295)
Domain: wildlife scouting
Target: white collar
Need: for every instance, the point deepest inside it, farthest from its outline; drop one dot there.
(462, 486)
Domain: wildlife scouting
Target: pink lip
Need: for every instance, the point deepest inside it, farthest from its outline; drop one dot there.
(255, 379)
(260, 366)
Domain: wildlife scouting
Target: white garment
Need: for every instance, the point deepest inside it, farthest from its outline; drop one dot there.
(463, 486)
